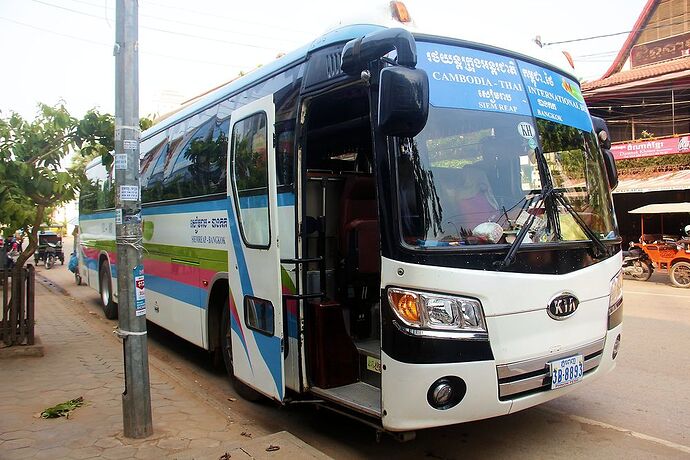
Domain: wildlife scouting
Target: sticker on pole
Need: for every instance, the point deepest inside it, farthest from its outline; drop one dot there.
(121, 161)
(129, 192)
(118, 216)
(129, 144)
(139, 291)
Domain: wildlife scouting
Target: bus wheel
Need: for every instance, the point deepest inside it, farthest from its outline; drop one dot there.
(226, 346)
(105, 288)
(680, 274)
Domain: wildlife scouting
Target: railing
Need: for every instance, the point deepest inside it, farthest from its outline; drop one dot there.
(17, 321)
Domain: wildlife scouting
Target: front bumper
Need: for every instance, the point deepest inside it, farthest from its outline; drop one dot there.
(405, 387)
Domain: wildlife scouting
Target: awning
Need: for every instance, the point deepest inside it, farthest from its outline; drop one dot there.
(654, 182)
(662, 208)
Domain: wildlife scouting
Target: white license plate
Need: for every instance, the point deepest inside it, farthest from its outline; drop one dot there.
(566, 371)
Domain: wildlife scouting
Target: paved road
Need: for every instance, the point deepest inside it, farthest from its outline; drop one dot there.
(641, 410)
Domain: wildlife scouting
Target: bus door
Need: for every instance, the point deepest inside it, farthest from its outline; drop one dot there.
(254, 263)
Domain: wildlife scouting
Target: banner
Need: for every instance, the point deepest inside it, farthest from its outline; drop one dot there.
(652, 148)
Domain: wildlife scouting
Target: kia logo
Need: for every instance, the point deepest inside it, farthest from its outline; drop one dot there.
(562, 306)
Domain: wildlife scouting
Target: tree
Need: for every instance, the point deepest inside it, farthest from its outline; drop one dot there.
(31, 177)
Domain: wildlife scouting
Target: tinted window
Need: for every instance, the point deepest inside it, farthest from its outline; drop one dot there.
(190, 158)
(151, 178)
(258, 315)
(98, 192)
(250, 177)
(285, 154)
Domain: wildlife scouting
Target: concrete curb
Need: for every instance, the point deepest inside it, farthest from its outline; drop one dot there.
(23, 351)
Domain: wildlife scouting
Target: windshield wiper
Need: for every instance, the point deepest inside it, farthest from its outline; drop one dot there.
(599, 247)
(547, 192)
(519, 238)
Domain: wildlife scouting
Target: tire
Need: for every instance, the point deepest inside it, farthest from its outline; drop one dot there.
(50, 261)
(226, 349)
(105, 289)
(680, 274)
(646, 271)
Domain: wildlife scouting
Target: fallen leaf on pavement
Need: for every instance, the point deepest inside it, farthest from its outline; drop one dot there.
(272, 448)
(63, 409)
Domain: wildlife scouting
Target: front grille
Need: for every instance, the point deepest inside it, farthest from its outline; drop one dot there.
(532, 376)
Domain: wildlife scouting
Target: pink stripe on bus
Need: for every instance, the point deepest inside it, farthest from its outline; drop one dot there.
(181, 273)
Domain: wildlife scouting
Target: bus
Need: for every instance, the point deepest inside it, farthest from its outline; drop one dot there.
(409, 229)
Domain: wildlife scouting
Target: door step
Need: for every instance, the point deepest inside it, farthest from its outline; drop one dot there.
(358, 396)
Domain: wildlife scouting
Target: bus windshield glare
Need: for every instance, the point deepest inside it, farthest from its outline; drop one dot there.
(507, 144)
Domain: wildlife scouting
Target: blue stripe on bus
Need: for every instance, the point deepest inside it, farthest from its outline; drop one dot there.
(110, 214)
(194, 206)
(247, 202)
(179, 291)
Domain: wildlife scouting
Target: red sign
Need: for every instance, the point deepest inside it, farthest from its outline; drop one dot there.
(653, 148)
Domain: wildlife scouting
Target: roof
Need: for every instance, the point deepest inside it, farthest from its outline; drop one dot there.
(287, 60)
(654, 182)
(662, 71)
(624, 52)
(662, 208)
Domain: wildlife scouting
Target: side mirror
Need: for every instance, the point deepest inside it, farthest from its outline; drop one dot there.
(403, 101)
(611, 170)
(602, 132)
(358, 53)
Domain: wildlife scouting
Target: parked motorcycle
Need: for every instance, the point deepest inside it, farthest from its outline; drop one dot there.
(636, 264)
(50, 256)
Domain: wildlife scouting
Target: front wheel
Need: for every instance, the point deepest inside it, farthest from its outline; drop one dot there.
(226, 346)
(50, 261)
(105, 288)
(643, 270)
(680, 274)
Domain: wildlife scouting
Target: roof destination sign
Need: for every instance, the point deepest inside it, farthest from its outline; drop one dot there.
(465, 78)
(471, 79)
(555, 97)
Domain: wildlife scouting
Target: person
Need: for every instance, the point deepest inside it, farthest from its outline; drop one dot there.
(474, 201)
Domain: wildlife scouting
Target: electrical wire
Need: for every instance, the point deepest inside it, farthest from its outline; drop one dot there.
(613, 34)
(204, 26)
(172, 32)
(177, 58)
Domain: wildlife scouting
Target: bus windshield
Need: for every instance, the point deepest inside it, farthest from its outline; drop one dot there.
(501, 133)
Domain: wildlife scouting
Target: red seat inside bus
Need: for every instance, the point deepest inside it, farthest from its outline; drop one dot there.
(359, 233)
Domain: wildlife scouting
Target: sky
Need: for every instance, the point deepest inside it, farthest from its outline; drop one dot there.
(56, 51)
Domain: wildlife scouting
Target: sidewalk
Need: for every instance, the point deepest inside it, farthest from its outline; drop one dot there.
(84, 359)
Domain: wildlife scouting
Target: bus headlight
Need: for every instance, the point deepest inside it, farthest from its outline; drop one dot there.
(437, 311)
(615, 316)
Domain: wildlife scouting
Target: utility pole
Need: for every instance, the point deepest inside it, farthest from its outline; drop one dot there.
(136, 398)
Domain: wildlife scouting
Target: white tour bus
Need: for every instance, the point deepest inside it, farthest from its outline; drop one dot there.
(413, 230)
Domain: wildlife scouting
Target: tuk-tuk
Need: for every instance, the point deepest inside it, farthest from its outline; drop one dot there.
(49, 242)
(666, 253)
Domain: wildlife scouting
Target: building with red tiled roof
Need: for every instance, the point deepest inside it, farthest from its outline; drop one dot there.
(644, 97)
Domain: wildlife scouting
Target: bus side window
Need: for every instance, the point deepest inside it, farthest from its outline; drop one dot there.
(285, 155)
(152, 172)
(188, 174)
(217, 167)
(250, 179)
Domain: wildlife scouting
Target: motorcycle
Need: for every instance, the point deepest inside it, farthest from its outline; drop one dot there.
(636, 264)
(50, 256)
